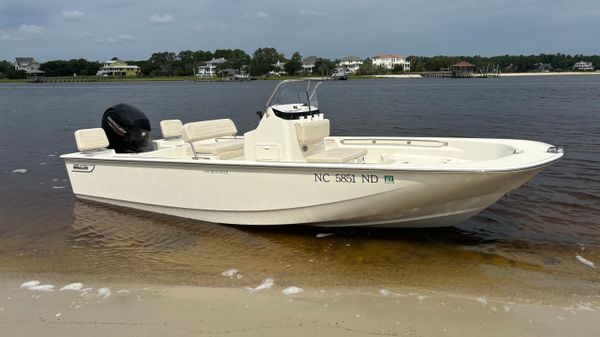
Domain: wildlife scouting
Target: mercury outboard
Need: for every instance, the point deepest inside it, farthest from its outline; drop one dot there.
(127, 128)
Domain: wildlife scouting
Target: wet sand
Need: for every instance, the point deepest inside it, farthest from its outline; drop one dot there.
(157, 310)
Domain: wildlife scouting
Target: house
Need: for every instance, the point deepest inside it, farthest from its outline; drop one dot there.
(542, 67)
(278, 69)
(350, 64)
(209, 70)
(27, 64)
(582, 65)
(30, 66)
(308, 64)
(118, 68)
(389, 61)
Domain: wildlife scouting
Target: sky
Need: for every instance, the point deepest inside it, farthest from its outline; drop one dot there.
(134, 29)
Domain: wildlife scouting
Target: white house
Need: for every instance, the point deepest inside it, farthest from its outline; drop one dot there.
(27, 64)
(278, 69)
(117, 68)
(351, 64)
(308, 64)
(388, 61)
(209, 70)
(582, 65)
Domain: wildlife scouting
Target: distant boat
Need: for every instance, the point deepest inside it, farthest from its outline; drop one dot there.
(339, 74)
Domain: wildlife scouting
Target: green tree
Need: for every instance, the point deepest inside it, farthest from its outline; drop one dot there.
(397, 69)
(294, 65)
(164, 61)
(324, 66)
(366, 68)
(70, 67)
(263, 59)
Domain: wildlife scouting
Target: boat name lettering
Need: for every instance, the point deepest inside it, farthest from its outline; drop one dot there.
(87, 168)
(346, 178)
(216, 171)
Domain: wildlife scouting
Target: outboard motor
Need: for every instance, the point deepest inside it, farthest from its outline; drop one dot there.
(127, 128)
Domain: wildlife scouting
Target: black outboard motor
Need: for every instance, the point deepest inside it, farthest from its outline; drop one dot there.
(127, 128)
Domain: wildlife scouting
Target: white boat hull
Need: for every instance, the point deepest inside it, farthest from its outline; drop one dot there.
(262, 195)
(290, 170)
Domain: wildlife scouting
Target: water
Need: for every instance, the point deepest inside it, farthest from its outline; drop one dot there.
(524, 245)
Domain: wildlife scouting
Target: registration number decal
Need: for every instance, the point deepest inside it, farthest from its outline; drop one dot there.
(351, 178)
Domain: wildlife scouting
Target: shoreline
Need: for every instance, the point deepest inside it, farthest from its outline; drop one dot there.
(192, 79)
(100, 309)
(566, 73)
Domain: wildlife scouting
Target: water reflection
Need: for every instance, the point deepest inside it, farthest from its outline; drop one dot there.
(138, 245)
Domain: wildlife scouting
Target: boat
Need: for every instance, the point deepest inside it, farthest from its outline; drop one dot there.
(339, 74)
(290, 170)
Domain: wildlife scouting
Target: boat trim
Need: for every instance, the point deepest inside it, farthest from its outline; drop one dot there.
(303, 166)
(393, 142)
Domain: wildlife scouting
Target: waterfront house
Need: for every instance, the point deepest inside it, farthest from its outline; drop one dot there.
(542, 67)
(389, 61)
(118, 68)
(27, 64)
(31, 67)
(584, 66)
(278, 69)
(209, 70)
(350, 64)
(308, 64)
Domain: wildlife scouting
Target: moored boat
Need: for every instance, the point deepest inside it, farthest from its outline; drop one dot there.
(290, 170)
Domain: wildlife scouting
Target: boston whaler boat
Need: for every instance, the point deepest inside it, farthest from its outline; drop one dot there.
(289, 170)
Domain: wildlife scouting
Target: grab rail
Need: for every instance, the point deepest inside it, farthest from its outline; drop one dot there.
(397, 142)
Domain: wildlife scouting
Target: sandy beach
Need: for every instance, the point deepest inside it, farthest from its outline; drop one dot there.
(566, 73)
(30, 308)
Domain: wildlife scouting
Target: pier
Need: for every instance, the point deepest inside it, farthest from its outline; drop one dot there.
(462, 70)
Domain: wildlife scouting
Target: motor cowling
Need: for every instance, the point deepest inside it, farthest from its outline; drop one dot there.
(127, 128)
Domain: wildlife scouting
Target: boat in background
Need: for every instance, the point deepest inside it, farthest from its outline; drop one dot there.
(290, 170)
(339, 74)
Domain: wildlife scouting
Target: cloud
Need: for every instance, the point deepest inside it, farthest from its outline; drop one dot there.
(312, 13)
(117, 39)
(73, 15)
(161, 19)
(82, 35)
(31, 29)
(262, 15)
(11, 37)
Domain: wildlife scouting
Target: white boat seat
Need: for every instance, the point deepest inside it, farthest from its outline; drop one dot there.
(171, 128)
(336, 155)
(312, 131)
(196, 131)
(91, 139)
(219, 147)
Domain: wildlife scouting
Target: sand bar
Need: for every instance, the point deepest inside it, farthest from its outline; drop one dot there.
(159, 310)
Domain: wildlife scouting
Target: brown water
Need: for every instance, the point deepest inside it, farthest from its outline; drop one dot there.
(523, 246)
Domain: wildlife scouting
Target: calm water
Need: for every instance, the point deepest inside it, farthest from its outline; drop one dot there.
(524, 245)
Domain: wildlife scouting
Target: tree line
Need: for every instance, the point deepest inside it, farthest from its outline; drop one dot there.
(262, 61)
(506, 63)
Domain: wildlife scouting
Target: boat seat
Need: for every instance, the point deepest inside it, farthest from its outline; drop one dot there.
(200, 134)
(171, 128)
(312, 131)
(336, 155)
(219, 147)
(91, 139)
